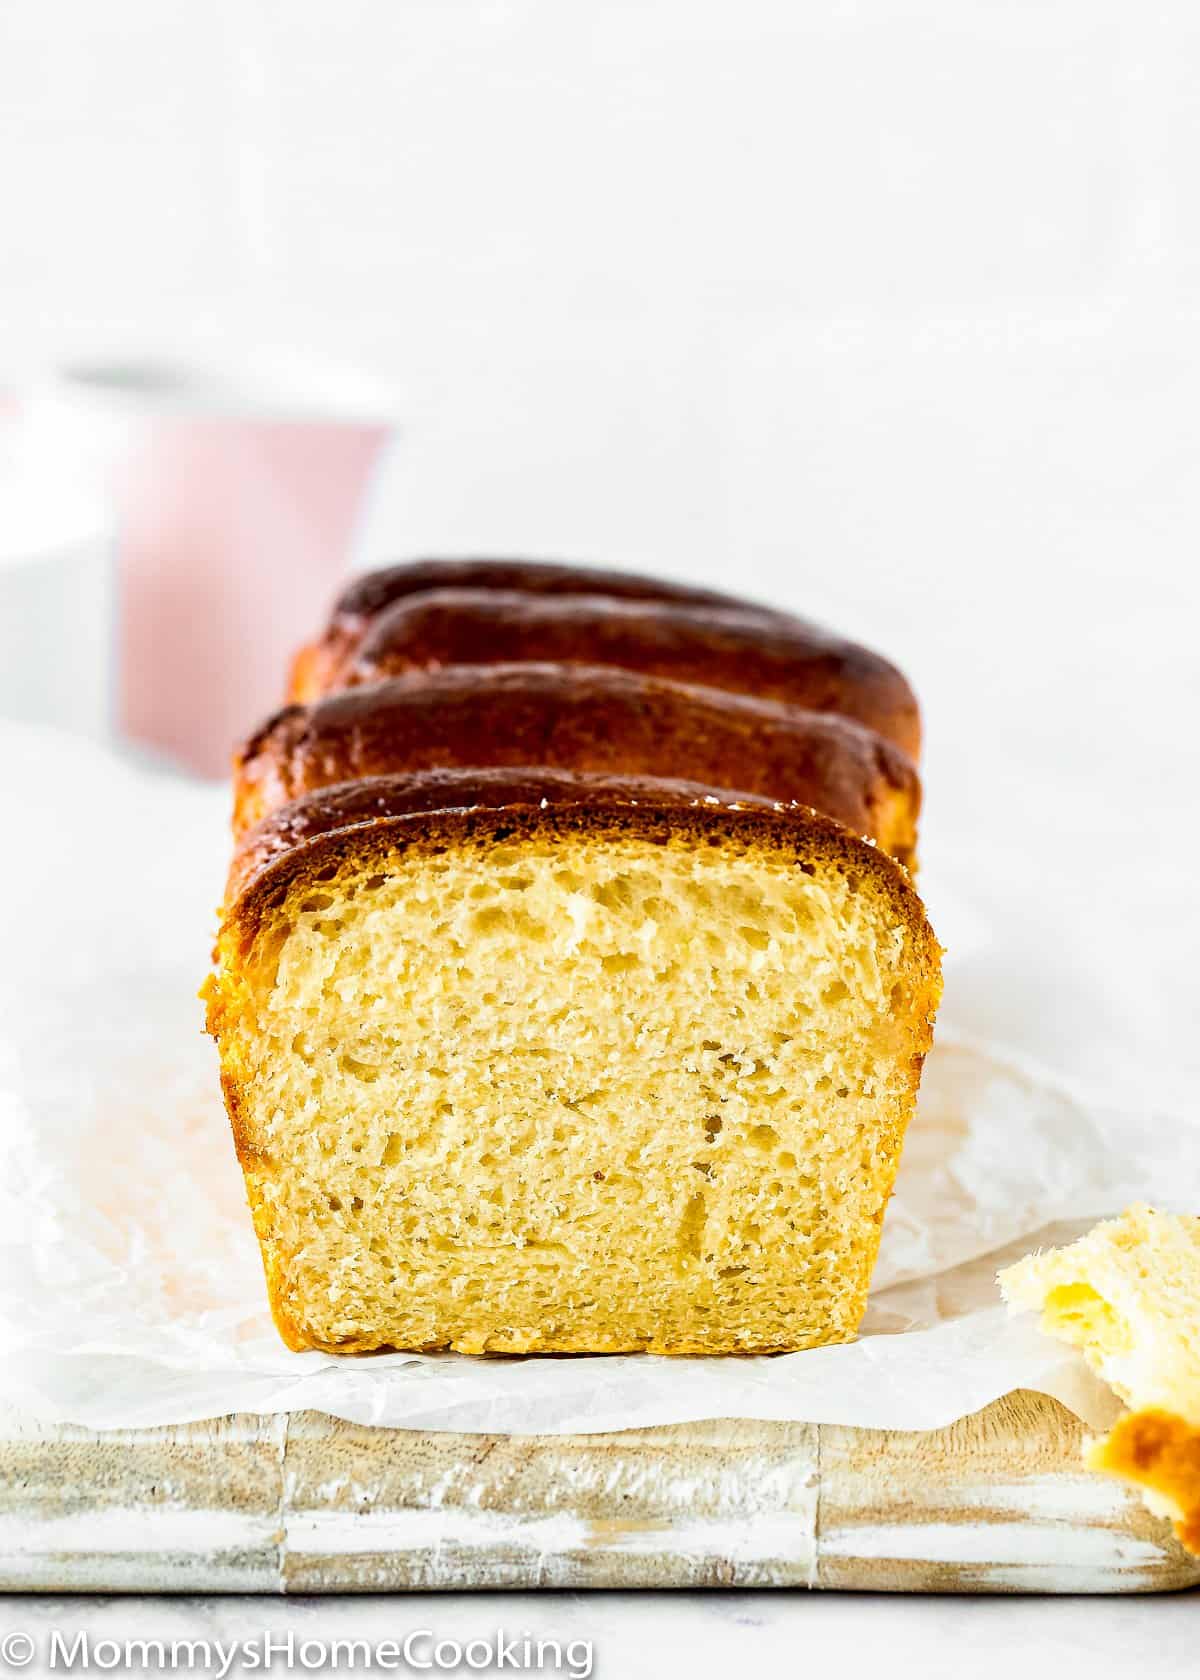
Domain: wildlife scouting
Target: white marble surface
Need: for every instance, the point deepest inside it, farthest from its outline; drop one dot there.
(655, 1635)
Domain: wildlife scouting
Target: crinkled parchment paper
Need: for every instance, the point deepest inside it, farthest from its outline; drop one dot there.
(130, 1286)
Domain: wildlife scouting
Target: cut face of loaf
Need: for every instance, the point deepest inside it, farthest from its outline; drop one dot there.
(739, 650)
(583, 718)
(574, 1077)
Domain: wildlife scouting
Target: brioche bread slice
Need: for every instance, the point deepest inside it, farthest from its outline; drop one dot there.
(370, 594)
(590, 718)
(729, 648)
(591, 1067)
(1128, 1295)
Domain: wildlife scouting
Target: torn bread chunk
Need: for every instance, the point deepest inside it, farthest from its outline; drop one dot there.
(1159, 1452)
(1128, 1295)
(591, 1072)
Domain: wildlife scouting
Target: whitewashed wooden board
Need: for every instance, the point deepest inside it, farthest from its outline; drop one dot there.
(305, 1504)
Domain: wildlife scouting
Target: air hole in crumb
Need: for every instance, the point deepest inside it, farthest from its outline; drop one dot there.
(613, 895)
(358, 1070)
(836, 993)
(756, 937)
(762, 1137)
(786, 1159)
(691, 1227)
(393, 1150)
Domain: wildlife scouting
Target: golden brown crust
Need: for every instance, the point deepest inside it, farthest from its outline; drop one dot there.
(1159, 1452)
(365, 597)
(593, 719)
(730, 648)
(660, 811)
(345, 804)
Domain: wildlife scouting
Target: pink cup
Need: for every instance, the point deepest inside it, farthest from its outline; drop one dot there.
(237, 503)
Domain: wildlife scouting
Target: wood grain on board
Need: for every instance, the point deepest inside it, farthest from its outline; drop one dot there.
(306, 1504)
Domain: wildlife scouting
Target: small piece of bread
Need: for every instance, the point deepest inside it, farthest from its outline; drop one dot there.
(1128, 1295)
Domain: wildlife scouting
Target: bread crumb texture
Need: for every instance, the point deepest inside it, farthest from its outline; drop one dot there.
(574, 1094)
(1128, 1295)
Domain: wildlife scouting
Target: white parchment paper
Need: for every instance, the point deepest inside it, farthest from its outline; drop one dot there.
(130, 1286)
